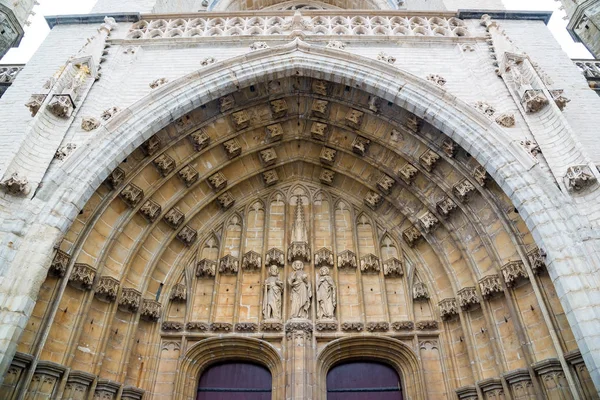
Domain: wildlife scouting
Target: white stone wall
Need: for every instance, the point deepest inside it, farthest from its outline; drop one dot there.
(63, 42)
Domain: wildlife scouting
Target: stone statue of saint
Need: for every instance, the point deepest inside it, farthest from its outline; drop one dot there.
(326, 298)
(273, 295)
(300, 291)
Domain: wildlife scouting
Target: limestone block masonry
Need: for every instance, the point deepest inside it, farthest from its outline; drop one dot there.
(299, 185)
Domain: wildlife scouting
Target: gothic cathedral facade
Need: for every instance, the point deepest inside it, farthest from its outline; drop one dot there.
(303, 199)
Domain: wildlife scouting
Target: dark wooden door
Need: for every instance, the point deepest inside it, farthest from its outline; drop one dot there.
(363, 381)
(235, 381)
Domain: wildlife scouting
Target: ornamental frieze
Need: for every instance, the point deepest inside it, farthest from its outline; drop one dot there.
(427, 325)
(197, 326)
(307, 22)
(172, 326)
(223, 327)
(403, 325)
(353, 326)
(246, 327)
(378, 326)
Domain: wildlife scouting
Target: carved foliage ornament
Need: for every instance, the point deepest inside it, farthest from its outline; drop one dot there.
(445, 207)
(150, 310)
(448, 308)
(411, 236)
(174, 218)
(490, 286)
(428, 221)
(467, 298)
(369, 263)
(324, 258)
(393, 268)
(188, 175)
(232, 148)
(403, 326)
(336, 44)
(217, 181)
(513, 272)
(164, 164)
(275, 257)
(579, 177)
(386, 58)
(537, 260)
(420, 291)
(407, 173)
(16, 185)
(346, 259)
(82, 276)
(228, 265)
(373, 200)
(326, 176)
(437, 79)
(187, 235)
(150, 210)
(115, 178)
(200, 140)
(88, 124)
(107, 288)
(206, 268)
(327, 155)
(130, 299)
(251, 261)
(226, 200)
(59, 264)
(270, 177)
(429, 159)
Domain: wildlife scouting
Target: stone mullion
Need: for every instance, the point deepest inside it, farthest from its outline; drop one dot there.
(335, 251)
(356, 250)
(240, 275)
(382, 284)
(264, 268)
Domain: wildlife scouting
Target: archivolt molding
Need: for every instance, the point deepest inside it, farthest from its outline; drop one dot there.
(206, 352)
(377, 348)
(507, 164)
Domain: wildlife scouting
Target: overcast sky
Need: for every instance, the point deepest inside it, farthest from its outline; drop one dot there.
(35, 34)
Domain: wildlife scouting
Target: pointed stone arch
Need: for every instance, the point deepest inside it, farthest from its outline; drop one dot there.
(382, 349)
(206, 352)
(539, 203)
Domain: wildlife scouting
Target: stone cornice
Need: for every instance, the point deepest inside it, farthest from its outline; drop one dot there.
(510, 15)
(75, 19)
(78, 19)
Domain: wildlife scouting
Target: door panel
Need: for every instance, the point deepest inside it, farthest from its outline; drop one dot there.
(235, 381)
(363, 381)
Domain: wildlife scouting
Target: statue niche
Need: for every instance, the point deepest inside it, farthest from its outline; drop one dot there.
(326, 297)
(273, 295)
(301, 291)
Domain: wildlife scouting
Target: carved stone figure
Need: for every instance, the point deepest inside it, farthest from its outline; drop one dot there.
(273, 295)
(326, 296)
(300, 291)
